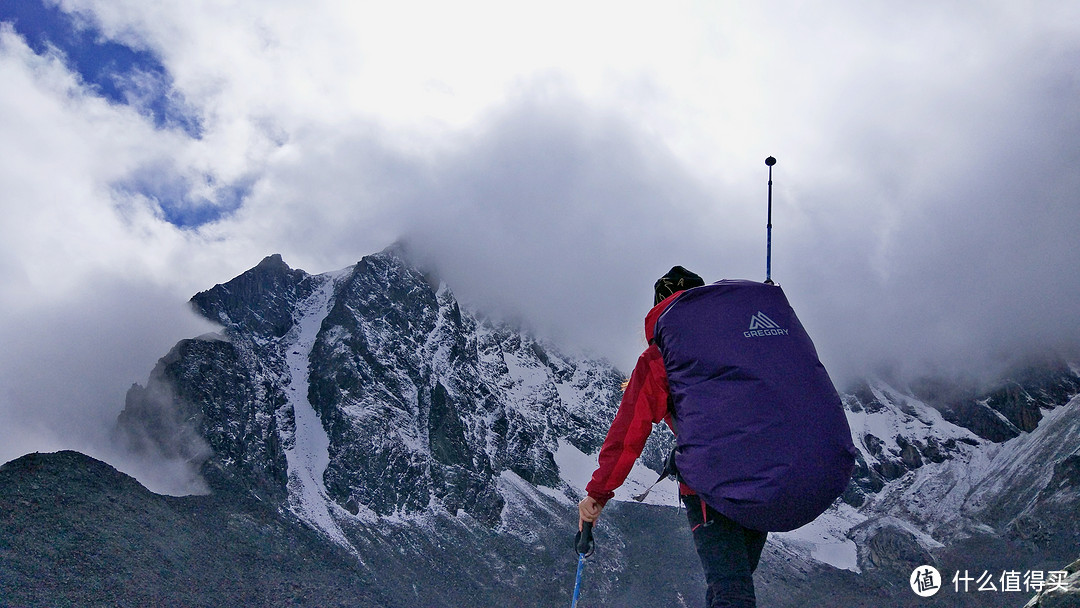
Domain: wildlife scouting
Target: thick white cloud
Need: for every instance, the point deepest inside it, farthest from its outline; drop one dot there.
(555, 160)
(93, 287)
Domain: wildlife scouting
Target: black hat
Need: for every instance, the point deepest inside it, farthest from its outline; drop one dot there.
(677, 279)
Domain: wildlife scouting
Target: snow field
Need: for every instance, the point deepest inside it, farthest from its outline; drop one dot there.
(309, 455)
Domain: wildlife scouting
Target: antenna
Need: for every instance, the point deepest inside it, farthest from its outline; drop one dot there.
(770, 161)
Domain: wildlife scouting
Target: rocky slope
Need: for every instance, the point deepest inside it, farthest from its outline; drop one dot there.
(76, 532)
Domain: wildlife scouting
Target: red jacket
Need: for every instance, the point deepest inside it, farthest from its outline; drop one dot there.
(644, 403)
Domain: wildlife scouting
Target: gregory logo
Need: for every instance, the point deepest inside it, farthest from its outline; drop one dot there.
(762, 325)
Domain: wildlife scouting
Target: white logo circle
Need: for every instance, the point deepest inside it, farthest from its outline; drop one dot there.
(925, 581)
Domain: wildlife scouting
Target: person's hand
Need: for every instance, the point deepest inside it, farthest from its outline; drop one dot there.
(588, 510)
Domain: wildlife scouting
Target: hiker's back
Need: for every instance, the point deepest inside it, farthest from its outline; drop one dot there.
(762, 436)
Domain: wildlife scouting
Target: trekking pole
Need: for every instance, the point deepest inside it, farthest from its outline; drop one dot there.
(770, 161)
(583, 543)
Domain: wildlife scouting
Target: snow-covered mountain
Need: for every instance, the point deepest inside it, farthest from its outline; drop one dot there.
(369, 392)
(444, 452)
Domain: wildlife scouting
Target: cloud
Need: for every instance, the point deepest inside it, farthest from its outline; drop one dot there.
(924, 201)
(563, 215)
(957, 221)
(88, 297)
(67, 363)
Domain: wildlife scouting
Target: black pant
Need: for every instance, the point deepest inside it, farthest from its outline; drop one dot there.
(729, 554)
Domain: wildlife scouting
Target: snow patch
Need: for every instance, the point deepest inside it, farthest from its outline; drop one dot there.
(524, 503)
(825, 539)
(902, 416)
(308, 453)
(576, 469)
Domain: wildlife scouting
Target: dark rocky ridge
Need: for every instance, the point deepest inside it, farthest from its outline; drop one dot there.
(1014, 406)
(203, 404)
(76, 532)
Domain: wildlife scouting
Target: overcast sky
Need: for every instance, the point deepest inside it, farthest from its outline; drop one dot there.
(555, 159)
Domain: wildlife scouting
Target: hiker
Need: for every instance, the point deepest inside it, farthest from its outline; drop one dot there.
(782, 440)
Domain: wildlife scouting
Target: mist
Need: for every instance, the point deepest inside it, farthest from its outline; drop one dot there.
(66, 366)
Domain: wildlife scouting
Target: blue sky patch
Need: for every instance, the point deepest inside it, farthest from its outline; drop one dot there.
(116, 72)
(184, 201)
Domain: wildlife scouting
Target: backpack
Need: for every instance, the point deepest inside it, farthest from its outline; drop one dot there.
(761, 434)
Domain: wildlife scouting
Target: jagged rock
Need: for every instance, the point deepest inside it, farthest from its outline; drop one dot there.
(1019, 407)
(1050, 520)
(894, 548)
(935, 451)
(884, 545)
(1066, 475)
(909, 454)
(1015, 407)
(211, 403)
(260, 301)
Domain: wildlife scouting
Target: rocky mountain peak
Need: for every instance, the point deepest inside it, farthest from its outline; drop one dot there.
(259, 301)
(409, 401)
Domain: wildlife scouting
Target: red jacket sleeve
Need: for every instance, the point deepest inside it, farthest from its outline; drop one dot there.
(643, 404)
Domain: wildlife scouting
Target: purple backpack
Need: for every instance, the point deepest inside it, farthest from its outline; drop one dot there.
(761, 434)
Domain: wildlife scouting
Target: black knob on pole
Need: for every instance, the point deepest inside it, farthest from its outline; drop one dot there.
(583, 542)
(770, 161)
